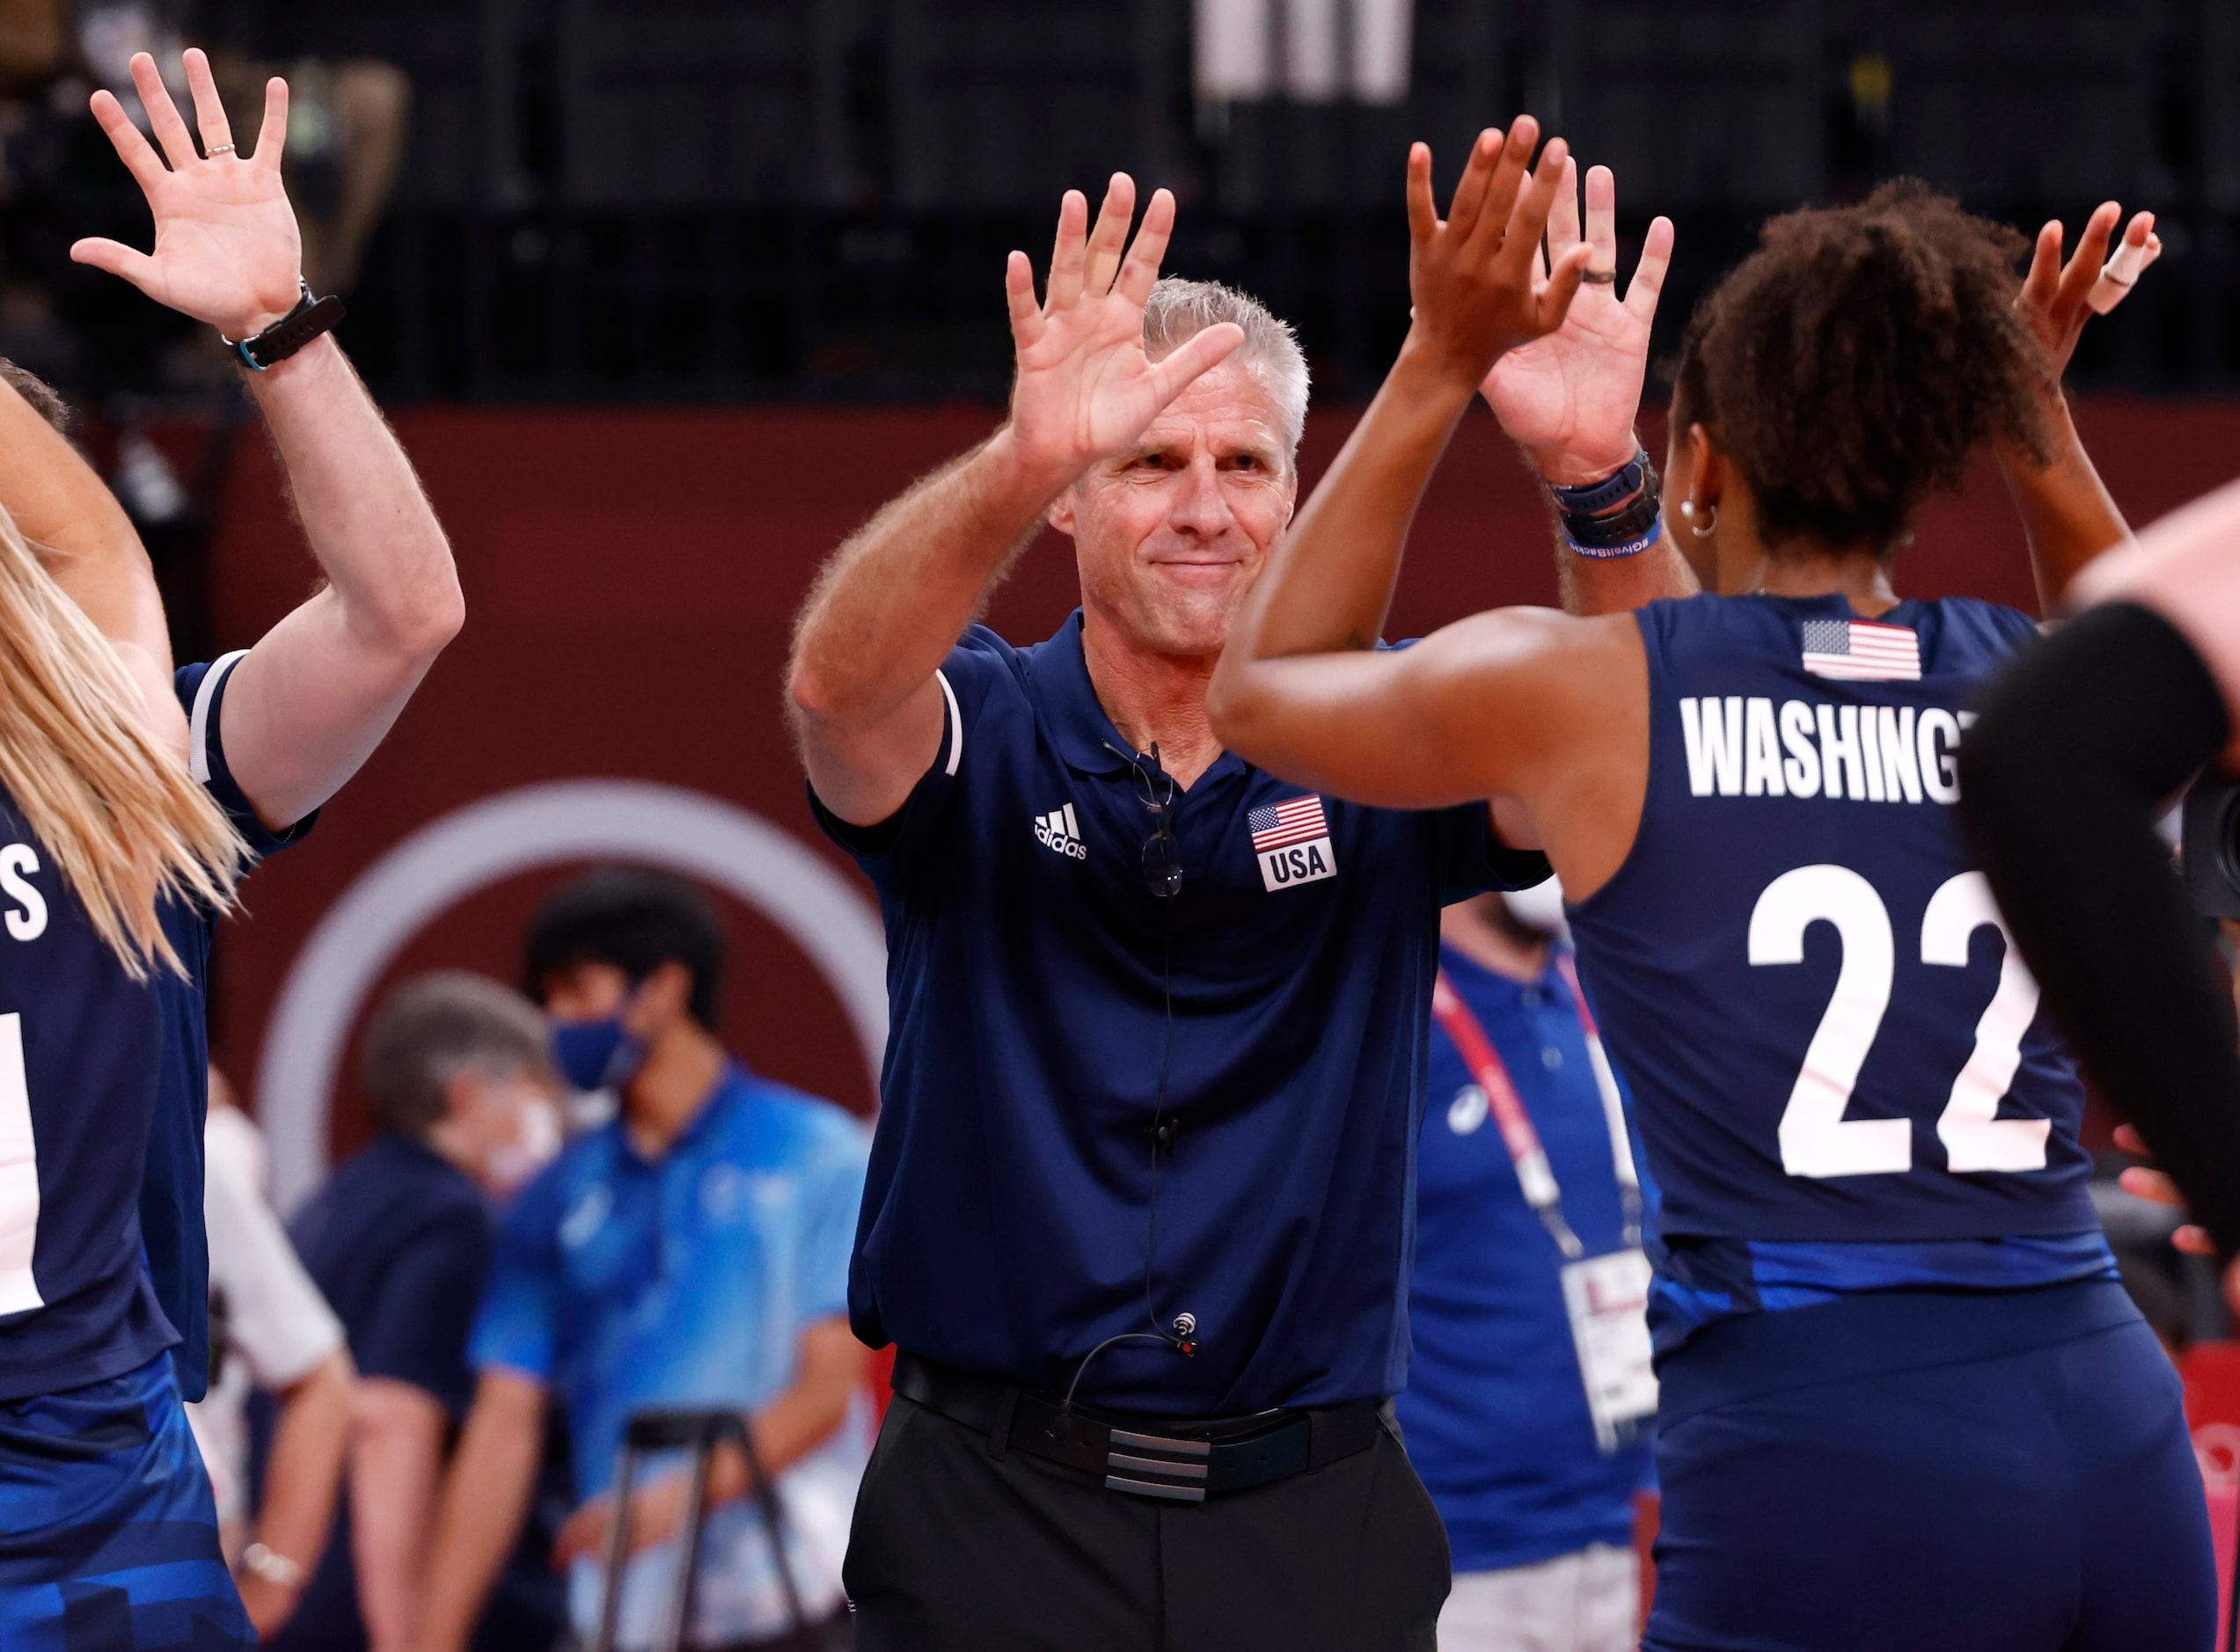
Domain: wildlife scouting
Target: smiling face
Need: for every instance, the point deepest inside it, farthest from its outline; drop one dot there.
(1171, 534)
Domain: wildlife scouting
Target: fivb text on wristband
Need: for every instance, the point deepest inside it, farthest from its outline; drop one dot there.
(1617, 517)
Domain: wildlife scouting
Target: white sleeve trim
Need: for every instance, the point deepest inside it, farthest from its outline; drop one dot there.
(956, 725)
(198, 727)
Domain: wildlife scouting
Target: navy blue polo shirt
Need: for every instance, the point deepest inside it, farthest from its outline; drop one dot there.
(1011, 1204)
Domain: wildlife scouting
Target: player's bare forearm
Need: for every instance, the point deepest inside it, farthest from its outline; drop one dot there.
(301, 1478)
(1329, 583)
(319, 691)
(2068, 514)
(885, 613)
(396, 1474)
(485, 1495)
(803, 1416)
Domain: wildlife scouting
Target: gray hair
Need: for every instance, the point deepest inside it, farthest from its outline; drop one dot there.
(1270, 352)
(435, 1027)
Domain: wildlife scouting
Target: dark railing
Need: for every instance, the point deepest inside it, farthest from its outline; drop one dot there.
(624, 199)
(724, 305)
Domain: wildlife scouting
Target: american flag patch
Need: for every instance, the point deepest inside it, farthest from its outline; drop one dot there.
(1295, 821)
(1862, 650)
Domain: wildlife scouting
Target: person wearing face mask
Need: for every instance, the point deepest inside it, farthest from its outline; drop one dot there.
(400, 1239)
(690, 1253)
(1528, 1404)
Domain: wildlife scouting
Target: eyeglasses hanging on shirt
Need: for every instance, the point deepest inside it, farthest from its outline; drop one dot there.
(1605, 1297)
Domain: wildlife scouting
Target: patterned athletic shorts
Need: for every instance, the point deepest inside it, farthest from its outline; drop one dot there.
(108, 1538)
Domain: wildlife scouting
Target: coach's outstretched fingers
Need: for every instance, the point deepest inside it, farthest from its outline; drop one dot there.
(1085, 386)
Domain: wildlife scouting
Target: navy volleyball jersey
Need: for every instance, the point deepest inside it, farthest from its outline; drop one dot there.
(102, 1088)
(1841, 1079)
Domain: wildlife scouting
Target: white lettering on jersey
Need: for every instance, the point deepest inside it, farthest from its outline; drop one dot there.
(1714, 747)
(30, 923)
(1802, 767)
(19, 1175)
(1748, 747)
(1761, 751)
(1057, 831)
(1939, 735)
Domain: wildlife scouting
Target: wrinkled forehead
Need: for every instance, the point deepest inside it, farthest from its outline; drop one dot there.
(1227, 412)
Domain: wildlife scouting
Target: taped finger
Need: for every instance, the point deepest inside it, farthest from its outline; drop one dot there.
(2118, 277)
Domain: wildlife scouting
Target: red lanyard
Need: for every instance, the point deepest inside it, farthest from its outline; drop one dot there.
(1534, 1176)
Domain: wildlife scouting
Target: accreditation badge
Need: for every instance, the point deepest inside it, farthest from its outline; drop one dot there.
(1607, 1299)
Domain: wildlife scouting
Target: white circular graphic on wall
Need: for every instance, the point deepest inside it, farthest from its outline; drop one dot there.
(496, 837)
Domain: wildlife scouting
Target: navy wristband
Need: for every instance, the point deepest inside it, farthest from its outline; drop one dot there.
(1614, 552)
(1591, 499)
(1626, 526)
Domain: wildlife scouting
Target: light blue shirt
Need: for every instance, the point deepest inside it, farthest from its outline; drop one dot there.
(622, 1282)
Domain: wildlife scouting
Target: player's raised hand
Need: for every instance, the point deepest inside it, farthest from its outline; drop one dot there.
(2057, 299)
(1570, 398)
(1085, 387)
(1479, 286)
(227, 250)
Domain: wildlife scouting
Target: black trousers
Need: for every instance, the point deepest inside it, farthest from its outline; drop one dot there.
(958, 1545)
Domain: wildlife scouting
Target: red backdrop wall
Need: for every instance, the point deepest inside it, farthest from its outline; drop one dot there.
(630, 579)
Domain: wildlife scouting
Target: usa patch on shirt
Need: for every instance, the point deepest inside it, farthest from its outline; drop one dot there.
(1292, 839)
(1862, 650)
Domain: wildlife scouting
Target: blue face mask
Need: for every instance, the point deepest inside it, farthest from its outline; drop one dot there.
(595, 1055)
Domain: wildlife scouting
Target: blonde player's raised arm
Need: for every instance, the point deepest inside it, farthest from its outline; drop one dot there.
(315, 695)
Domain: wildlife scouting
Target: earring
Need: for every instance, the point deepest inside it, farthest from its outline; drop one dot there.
(1702, 529)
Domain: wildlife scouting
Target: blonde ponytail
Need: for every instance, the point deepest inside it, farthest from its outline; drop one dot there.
(125, 823)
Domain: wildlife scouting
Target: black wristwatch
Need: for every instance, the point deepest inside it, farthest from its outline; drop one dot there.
(291, 332)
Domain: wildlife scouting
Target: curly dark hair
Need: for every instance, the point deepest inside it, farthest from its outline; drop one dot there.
(1850, 365)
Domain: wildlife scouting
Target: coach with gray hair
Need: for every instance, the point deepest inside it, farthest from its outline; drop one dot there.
(1137, 1218)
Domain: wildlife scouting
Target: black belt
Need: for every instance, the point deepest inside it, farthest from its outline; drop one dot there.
(1181, 1459)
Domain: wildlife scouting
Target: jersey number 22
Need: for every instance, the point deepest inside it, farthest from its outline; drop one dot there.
(1816, 1139)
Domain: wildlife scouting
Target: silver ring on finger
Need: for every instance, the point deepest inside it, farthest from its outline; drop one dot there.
(1599, 277)
(218, 150)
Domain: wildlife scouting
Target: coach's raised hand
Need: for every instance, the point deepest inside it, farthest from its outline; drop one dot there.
(227, 249)
(1085, 386)
(890, 603)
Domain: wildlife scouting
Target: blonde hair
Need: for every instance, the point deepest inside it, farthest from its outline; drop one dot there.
(126, 826)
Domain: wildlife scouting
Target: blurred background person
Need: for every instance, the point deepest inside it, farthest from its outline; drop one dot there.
(1518, 1184)
(275, 1332)
(692, 1252)
(400, 1238)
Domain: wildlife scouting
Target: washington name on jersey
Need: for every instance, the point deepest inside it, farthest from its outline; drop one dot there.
(1750, 746)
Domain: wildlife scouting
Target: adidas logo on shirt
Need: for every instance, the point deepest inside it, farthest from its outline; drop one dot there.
(1058, 831)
